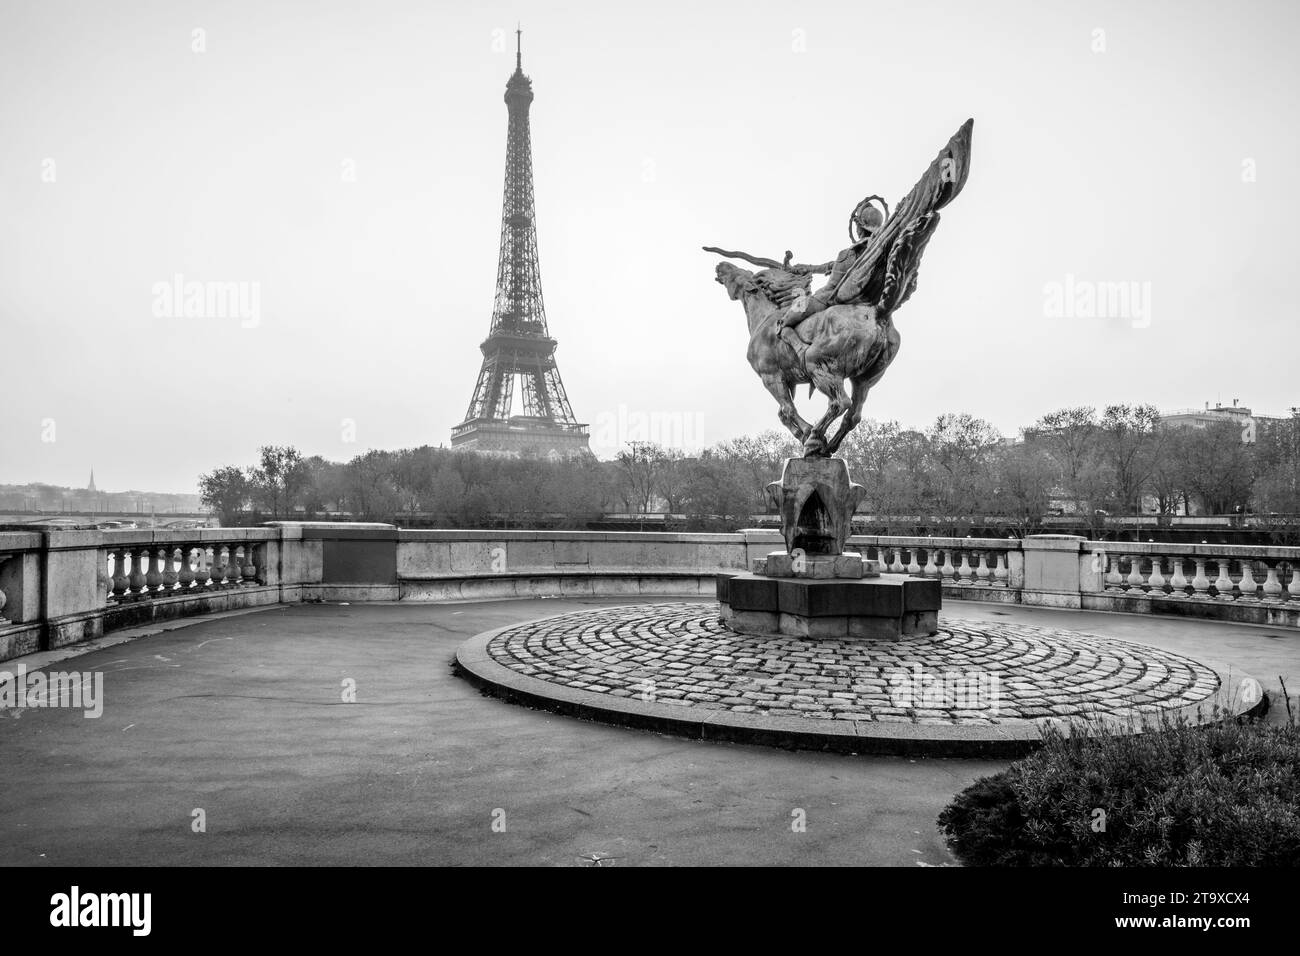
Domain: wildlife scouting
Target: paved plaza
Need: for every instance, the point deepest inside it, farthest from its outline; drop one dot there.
(971, 672)
(243, 716)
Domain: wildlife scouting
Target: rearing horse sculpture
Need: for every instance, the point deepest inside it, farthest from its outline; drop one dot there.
(848, 332)
(853, 342)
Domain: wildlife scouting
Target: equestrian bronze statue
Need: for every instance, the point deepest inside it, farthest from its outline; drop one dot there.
(844, 331)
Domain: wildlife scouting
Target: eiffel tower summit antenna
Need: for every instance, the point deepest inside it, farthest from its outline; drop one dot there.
(519, 345)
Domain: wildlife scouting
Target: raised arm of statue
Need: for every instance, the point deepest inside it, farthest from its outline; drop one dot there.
(796, 268)
(803, 269)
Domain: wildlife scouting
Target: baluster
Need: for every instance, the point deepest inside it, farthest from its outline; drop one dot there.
(1135, 573)
(948, 571)
(120, 581)
(185, 573)
(1200, 583)
(931, 570)
(982, 573)
(1293, 589)
(1178, 583)
(1113, 580)
(1156, 583)
(912, 566)
(1223, 583)
(1247, 584)
(964, 574)
(153, 577)
(896, 565)
(122, 571)
(201, 567)
(168, 556)
(250, 563)
(221, 556)
(139, 557)
(1272, 586)
(1000, 574)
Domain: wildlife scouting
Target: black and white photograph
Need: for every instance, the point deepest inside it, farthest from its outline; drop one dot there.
(773, 435)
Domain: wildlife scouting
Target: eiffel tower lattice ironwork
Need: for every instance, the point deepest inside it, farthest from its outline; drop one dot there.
(519, 345)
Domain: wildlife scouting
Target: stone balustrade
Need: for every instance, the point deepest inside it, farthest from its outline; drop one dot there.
(1251, 584)
(167, 569)
(980, 569)
(61, 587)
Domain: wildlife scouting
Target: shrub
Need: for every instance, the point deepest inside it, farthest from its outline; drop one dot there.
(1226, 795)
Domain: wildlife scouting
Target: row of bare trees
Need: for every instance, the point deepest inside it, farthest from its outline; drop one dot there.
(1121, 461)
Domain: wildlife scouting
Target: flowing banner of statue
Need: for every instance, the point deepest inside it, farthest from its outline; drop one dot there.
(842, 332)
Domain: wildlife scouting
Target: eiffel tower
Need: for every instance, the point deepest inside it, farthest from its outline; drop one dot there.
(518, 345)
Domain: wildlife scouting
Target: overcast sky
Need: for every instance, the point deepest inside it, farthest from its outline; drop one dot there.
(347, 159)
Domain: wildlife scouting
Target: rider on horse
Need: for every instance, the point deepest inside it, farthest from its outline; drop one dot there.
(864, 222)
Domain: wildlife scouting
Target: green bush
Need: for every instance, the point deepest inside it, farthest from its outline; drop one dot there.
(1226, 795)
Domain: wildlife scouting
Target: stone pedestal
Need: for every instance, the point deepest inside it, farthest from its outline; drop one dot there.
(783, 564)
(816, 589)
(879, 608)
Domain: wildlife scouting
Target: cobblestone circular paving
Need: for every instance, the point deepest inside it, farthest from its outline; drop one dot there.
(970, 673)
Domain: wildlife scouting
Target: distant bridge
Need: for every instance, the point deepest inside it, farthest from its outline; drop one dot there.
(147, 518)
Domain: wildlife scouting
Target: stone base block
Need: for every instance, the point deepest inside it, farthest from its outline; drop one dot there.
(783, 564)
(851, 566)
(875, 609)
(920, 623)
(825, 627)
(754, 622)
(875, 628)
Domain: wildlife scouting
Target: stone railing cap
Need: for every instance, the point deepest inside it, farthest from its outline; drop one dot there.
(445, 535)
(20, 540)
(355, 525)
(1054, 542)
